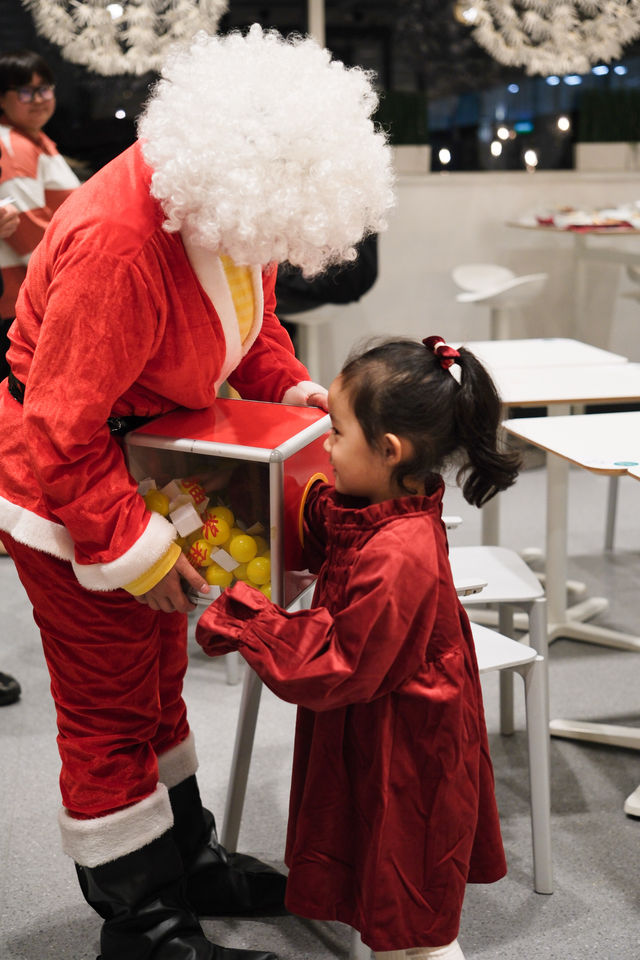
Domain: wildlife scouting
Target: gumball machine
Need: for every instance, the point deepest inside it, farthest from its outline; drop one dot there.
(233, 478)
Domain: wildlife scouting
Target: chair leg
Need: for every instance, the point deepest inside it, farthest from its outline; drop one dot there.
(538, 629)
(499, 324)
(536, 700)
(612, 504)
(358, 950)
(232, 667)
(505, 626)
(245, 733)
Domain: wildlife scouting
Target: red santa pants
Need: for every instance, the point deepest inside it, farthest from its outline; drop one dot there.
(116, 671)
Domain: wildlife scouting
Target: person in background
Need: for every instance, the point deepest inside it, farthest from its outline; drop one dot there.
(9, 686)
(392, 807)
(34, 177)
(152, 286)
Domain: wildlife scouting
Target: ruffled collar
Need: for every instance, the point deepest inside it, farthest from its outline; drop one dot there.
(354, 512)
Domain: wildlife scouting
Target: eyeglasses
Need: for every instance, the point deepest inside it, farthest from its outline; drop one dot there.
(28, 94)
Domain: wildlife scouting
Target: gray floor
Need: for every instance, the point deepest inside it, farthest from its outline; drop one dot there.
(594, 911)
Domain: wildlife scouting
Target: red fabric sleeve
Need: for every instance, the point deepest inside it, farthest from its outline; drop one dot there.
(371, 647)
(270, 367)
(72, 386)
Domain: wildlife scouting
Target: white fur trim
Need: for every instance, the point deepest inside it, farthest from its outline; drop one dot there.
(49, 537)
(298, 395)
(153, 544)
(102, 839)
(35, 531)
(178, 763)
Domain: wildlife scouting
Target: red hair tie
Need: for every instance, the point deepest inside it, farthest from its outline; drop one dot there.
(446, 355)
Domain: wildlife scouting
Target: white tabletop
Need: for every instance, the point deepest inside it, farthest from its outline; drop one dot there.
(540, 352)
(541, 386)
(606, 443)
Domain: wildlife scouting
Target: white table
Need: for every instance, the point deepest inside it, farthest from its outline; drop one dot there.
(557, 388)
(590, 246)
(604, 443)
(539, 352)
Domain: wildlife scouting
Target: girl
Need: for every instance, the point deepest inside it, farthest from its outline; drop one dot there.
(392, 805)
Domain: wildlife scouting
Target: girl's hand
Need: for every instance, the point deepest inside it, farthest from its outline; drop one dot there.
(168, 594)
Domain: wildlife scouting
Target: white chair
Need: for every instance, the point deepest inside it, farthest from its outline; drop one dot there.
(499, 289)
(511, 586)
(497, 652)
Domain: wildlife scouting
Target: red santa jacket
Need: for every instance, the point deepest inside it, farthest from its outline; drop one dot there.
(117, 317)
(392, 805)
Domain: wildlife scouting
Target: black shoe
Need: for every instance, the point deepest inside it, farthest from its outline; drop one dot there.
(220, 884)
(9, 690)
(146, 915)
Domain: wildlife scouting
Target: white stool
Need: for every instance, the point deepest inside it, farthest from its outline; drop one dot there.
(511, 585)
(498, 288)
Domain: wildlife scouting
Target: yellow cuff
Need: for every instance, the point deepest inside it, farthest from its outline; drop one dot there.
(155, 573)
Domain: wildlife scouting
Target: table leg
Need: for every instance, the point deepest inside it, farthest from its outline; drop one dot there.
(610, 734)
(563, 622)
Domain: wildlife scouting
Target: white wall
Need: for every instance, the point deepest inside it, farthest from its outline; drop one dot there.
(442, 220)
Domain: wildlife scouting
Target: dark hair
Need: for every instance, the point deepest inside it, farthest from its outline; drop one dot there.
(18, 66)
(399, 386)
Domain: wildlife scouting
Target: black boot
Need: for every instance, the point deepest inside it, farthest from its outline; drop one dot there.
(220, 884)
(141, 898)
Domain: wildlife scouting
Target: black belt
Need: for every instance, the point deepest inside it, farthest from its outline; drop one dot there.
(117, 425)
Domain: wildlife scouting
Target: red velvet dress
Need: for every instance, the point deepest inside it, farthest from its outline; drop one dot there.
(392, 807)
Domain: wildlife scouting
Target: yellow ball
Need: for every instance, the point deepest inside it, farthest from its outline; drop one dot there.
(259, 570)
(216, 530)
(217, 576)
(240, 572)
(157, 501)
(242, 547)
(224, 512)
(266, 589)
(200, 553)
(262, 545)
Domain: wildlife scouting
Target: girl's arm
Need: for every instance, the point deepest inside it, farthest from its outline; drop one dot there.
(372, 647)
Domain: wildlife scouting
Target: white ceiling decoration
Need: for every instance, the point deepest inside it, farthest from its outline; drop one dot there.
(552, 36)
(126, 36)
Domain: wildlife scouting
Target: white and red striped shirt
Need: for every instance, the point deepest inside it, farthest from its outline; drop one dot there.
(38, 179)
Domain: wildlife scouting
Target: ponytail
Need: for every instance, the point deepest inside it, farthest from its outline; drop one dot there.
(488, 469)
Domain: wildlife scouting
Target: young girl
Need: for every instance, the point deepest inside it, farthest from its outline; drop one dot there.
(392, 807)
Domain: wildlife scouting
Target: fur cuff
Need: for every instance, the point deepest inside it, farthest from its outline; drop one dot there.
(102, 839)
(158, 536)
(178, 763)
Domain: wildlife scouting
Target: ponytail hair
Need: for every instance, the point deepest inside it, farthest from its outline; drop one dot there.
(404, 387)
(487, 469)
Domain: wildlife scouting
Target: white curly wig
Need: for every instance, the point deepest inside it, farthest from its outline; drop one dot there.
(263, 149)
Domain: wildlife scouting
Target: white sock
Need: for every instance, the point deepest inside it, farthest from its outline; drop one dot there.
(451, 951)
